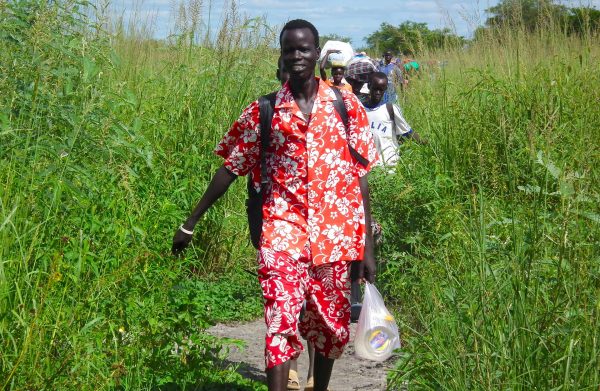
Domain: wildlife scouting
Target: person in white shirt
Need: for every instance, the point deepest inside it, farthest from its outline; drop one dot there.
(388, 125)
(389, 128)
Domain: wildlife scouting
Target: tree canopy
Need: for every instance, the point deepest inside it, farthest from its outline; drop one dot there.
(411, 38)
(534, 14)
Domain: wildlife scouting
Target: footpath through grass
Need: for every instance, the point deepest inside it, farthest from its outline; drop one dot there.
(491, 251)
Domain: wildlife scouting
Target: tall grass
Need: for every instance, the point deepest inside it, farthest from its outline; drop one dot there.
(105, 144)
(492, 251)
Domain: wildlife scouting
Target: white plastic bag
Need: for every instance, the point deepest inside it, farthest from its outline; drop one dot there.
(377, 333)
(340, 59)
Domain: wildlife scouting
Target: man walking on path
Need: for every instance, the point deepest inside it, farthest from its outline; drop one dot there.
(316, 216)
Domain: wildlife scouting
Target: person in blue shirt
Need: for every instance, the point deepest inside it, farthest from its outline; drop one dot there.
(394, 75)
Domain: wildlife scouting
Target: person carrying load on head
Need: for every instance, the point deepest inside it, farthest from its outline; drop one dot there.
(315, 206)
(337, 73)
(357, 74)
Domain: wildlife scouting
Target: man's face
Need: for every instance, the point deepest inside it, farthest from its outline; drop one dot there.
(337, 74)
(387, 57)
(377, 88)
(299, 53)
(355, 84)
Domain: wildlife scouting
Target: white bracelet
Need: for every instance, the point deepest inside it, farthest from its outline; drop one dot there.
(185, 231)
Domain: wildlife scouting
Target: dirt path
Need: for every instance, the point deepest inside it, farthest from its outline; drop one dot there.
(349, 373)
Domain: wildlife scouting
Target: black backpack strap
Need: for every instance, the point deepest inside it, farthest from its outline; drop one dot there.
(340, 107)
(390, 109)
(267, 108)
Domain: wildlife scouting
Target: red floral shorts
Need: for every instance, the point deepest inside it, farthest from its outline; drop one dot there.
(286, 283)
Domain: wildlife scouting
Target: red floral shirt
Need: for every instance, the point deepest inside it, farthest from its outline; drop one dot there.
(314, 194)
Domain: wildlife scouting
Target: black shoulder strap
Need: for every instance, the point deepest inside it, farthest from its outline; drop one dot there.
(340, 107)
(390, 109)
(267, 108)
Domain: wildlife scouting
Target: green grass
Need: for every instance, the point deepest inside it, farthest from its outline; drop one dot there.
(491, 252)
(105, 146)
(492, 230)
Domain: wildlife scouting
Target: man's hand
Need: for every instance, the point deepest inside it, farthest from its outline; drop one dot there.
(327, 53)
(216, 188)
(180, 241)
(367, 270)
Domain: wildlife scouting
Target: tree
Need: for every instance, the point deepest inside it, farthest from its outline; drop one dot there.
(411, 37)
(526, 13)
(582, 20)
(535, 14)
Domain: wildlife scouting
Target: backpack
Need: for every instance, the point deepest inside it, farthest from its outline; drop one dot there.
(255, 200)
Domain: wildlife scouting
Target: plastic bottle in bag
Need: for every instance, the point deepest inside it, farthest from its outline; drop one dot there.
(377, 333)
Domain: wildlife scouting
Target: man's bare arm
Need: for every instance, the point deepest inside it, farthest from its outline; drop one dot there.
(324, 62)
(322, 67)
(367, 269)
(219, 184)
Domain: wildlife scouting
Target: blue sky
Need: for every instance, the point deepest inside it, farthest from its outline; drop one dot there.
(352, 18)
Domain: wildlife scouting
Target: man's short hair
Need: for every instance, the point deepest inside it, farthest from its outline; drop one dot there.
(300, 24)
(377, 75)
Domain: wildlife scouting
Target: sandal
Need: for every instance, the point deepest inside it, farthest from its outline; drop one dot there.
(293, 380)
(310, 385)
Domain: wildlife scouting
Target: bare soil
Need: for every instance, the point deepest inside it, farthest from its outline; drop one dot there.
(349, 373)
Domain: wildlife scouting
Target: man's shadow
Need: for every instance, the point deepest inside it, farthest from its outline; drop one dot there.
(207, 387)
(247, 371)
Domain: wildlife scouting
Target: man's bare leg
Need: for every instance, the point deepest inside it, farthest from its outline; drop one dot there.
(311, 361)
(277, 377)
(323, 367)
(293, 376)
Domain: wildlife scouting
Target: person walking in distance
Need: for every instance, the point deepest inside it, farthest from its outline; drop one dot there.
(316, 214)
(394, 75)
(388, 125)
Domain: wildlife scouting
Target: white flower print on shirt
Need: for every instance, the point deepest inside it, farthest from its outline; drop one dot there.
(280, 205)
(330, 197)
(283, 229)
(342, 204)
(249, 136)
(331, 157)
(334, 233)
